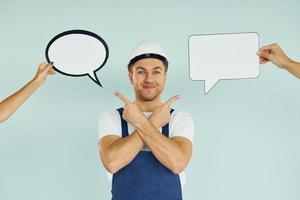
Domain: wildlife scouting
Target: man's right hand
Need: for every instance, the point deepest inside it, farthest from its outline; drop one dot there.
(132, 113)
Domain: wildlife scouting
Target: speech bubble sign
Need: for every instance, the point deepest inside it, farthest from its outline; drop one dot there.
(213, 57)
(77, 53)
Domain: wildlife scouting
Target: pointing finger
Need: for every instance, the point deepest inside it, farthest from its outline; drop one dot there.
(122, 97)
(172, 100)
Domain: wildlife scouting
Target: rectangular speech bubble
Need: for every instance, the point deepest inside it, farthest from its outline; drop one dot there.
(213, 57)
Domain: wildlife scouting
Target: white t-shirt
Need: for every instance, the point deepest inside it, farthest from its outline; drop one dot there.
(181, 124)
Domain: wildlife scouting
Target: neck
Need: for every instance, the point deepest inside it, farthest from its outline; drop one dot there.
(148, 106)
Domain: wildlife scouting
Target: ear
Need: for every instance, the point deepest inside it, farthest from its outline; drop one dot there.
(130, 76)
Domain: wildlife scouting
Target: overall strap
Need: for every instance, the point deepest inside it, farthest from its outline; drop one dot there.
(123, 122)
(165, 128)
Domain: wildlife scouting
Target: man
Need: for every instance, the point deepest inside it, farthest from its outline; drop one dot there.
(276, 55)
(9, 105)
(146, 145)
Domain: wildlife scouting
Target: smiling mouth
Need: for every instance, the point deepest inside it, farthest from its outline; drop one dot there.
(148, 86)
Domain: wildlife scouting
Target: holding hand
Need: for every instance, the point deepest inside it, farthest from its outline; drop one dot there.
(9, 105)
(43, 71)
(274, 54)
(277, 56)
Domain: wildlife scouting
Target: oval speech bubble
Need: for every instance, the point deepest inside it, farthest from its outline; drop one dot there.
(77, 53)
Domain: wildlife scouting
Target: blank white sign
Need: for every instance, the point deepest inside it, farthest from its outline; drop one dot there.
(223, 56)
(78, 53)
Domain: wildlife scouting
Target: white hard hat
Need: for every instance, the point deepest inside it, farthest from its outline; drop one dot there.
(147, 49)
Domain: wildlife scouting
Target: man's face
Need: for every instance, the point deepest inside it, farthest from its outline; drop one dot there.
(148, 78)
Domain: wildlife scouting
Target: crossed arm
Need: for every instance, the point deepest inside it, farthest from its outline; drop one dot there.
(174, 153)
(116, 152)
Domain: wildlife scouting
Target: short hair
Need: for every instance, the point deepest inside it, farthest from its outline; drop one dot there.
(159, 57)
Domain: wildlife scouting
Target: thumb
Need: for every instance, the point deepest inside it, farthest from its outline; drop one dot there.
(265, 54)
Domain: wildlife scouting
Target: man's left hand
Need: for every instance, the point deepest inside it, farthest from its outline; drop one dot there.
(161, 115)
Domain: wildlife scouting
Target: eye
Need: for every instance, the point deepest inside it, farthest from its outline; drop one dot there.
(156, 72)
(140, 72)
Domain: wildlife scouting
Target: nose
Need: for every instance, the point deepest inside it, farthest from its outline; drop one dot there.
(149, 77)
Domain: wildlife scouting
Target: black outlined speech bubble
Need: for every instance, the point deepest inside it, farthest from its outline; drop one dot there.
(77, 53)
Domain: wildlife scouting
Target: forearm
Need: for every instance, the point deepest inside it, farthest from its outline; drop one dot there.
(122, 151)
(9, 105)
(293, 68)
(167, 151)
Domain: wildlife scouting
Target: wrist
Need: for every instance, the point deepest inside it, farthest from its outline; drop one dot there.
(35, 83)
(142, 122)
(288, 64)
(154, 123)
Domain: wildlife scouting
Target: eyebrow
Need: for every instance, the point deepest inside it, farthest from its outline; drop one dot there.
(155, 68)
(140, 68)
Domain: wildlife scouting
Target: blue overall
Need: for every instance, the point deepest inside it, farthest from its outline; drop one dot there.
(145, 178)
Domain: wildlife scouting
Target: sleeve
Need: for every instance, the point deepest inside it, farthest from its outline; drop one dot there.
(182, 124)
(109, 124)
